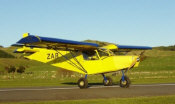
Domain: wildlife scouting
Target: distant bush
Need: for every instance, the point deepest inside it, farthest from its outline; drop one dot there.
(12, 69)
(21, 69)
(1, 46)
(5, 55)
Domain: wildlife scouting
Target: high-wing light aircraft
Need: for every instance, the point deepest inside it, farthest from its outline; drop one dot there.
(82, 57)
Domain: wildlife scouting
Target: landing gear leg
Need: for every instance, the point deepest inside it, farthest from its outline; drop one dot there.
(124, 81)
(83, 82)
(107, 81)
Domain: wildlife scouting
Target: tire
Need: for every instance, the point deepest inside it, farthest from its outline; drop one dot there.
(108, 82)
(126, 83)
(82, 83)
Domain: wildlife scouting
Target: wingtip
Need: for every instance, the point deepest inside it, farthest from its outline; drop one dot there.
(134, 47)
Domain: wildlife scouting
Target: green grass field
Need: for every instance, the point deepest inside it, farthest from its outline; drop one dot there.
(158, 67)
(138, 100)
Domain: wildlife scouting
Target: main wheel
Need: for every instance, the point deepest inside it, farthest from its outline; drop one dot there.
(82, 83)
(108, 81)
(125, 83)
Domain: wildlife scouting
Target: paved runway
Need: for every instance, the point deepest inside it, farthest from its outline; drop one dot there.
(74, 93)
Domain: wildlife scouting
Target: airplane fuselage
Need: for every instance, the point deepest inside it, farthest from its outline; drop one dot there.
(81, 62)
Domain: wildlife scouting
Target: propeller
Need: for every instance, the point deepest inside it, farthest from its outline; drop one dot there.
(135, 61)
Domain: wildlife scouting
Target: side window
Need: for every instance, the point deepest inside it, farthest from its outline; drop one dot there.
(103, 53)
(90, 55)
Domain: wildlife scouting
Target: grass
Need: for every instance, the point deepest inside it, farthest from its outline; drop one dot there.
(158, 67)
(10, 50)
(31, 65)
(154, 53)
(4, 54)
(50, 78)
(138, 100)
(157, 64)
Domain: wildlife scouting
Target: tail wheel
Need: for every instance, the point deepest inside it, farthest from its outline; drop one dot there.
(108, 82)
(125, 83)
(82, 83)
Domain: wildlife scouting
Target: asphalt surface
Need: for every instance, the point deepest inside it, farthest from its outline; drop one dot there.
(74, 93)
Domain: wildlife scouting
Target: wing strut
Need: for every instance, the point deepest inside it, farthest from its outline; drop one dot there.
(78, 62)
(80, 67)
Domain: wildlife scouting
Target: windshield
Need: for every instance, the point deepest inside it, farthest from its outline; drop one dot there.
(103, 53)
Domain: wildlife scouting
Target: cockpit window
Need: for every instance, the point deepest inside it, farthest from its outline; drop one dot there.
(90, 55)
(103, 53)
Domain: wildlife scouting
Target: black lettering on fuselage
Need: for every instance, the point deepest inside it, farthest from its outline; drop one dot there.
(48, 56)
(52, 56)
(56, 55)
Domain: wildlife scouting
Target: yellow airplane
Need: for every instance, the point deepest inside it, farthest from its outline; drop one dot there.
(81, 57)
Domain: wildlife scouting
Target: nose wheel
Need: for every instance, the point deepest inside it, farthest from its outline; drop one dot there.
(124, 81)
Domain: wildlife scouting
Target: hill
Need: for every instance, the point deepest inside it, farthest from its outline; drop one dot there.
(8, 58)
(4, 54)
(166, 48)
(101, 43)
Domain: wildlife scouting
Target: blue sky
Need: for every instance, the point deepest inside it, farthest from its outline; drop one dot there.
(126, 22)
